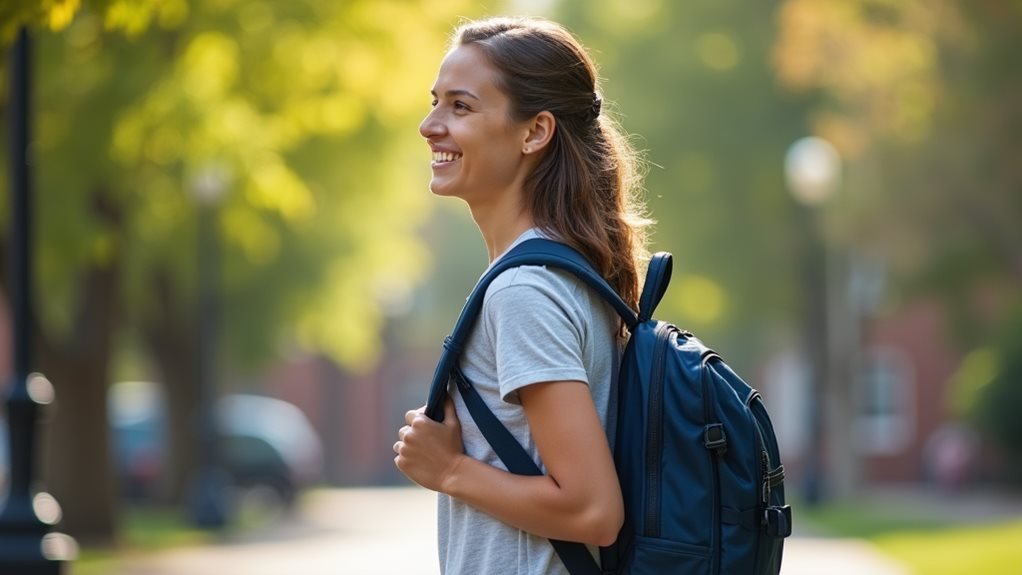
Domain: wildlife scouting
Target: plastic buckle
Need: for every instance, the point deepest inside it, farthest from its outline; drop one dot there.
(714, 438)
(777, 521)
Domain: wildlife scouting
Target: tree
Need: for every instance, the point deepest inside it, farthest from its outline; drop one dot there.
(922, 98)
(690, 80)
(306, 110)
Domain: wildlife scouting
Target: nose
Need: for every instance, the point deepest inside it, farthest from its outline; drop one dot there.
(431, 126)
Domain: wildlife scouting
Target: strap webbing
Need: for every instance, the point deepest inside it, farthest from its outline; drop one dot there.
(575, 556)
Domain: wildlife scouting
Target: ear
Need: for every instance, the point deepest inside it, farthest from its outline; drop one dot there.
(541, 131)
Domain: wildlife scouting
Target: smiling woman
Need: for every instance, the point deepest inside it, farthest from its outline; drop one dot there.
(516, 131)
(478, 152)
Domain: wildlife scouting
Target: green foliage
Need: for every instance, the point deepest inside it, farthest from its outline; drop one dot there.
(977, 370)
(53, 14)
(690, 80)
(303, 113)
(131, 17)
(999, 399)
(921, 99)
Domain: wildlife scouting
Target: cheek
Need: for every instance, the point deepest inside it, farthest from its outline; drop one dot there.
(497, 157)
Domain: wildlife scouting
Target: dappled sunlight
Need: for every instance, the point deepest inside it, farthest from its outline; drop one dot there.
(337, 113)
(258, 241)
(884, 66)
(274, 186)
(697, 301)
(622, 17)
(209, 67)
(958, 551)
(133, 17)
(719, 51)
(62, 13)
(977, 370)
(325, 243)
(340, 329)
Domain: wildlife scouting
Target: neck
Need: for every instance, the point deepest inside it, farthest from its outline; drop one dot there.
(501, 222)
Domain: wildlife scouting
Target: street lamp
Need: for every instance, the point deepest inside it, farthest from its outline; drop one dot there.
(209, 486)
(812, 169)
(27, 545)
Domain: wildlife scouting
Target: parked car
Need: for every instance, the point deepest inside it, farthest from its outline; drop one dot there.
(264, 443)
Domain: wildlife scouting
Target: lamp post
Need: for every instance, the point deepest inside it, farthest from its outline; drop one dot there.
(27, 544)
(813, 170)
(208, 494)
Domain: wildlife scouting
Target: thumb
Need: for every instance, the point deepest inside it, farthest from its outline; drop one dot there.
(450, 414)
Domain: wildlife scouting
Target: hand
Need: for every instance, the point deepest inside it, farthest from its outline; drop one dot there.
(429, 452)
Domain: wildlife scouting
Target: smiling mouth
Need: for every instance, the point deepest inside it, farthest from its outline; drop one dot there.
(445, 157)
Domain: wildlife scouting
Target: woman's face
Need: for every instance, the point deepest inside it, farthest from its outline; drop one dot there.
(477, 148)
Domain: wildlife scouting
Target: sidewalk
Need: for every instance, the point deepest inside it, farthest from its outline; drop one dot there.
(380, 531)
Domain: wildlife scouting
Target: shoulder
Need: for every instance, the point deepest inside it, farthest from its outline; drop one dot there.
(525, 284)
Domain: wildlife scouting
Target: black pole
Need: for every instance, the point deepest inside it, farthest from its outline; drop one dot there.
(210, 483)
(27, 545)
(815, 316)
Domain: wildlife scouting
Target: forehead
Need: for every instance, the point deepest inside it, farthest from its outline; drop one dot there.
(466, 68)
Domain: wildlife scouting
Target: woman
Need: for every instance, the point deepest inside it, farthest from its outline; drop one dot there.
(518, 133)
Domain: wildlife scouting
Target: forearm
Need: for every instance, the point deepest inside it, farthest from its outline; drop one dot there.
(536, 504)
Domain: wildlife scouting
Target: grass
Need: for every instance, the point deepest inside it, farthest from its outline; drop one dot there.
(154, 528)
(995, 548)
(922, 542)
(148, 529)
(143, 530)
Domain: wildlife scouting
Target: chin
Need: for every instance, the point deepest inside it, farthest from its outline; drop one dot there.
(442, 191)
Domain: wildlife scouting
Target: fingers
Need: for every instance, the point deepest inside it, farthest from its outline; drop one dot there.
(410, 414)
(449, 411)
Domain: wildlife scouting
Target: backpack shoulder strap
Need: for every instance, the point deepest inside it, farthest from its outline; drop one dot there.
(535, 252)
(543, 252)
(575, 556)
(658, 276)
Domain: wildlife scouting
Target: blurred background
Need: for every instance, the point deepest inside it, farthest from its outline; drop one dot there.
(240, 280)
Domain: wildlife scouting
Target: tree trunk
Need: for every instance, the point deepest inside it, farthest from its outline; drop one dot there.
(78, 466)
(170, 342)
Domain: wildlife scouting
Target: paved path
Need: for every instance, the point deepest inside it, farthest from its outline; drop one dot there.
(392, 532)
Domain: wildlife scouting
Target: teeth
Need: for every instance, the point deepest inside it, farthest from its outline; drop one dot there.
(445, 156)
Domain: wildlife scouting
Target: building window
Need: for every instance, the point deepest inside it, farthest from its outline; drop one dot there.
(884, 423)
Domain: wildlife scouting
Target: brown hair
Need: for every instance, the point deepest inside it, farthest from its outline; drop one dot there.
(584, 190)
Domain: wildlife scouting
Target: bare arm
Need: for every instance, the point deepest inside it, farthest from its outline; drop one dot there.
(578, 500)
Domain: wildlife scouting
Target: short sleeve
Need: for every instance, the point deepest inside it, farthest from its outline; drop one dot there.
(537, 333)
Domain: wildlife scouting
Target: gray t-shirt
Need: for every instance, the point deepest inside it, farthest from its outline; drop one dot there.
(537, 324)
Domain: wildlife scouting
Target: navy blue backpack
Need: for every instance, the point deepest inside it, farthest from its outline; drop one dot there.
(694, 448)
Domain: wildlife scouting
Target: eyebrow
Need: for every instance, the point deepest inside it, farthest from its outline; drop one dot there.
(455, 93)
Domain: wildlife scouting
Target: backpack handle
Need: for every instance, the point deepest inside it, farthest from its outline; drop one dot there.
(658, 277)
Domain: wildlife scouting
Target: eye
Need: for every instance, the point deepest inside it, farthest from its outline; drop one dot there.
(461, 106)
(433, 103)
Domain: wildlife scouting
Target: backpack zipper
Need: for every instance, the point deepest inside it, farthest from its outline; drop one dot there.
(654, 434)
(761, 476)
